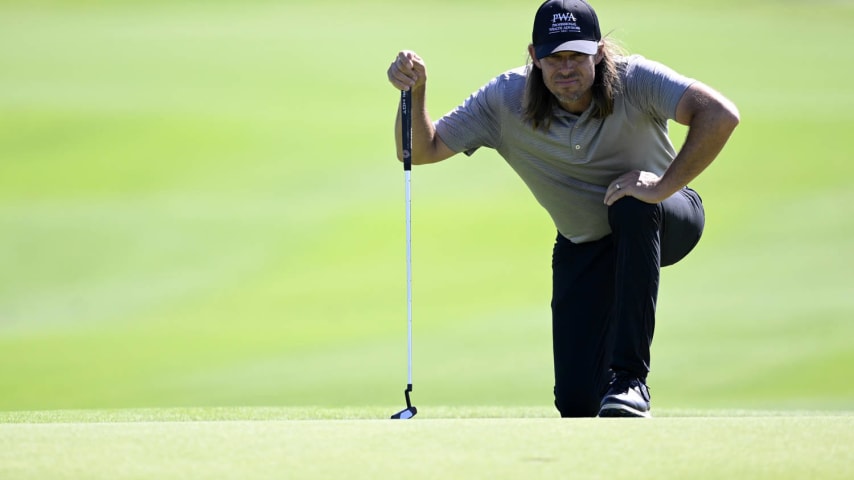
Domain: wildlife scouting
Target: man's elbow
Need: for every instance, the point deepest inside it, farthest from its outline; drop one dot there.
(727, 115)
(722, 117)
(731, 116)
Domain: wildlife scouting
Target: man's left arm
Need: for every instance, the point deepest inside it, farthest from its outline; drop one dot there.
(711, 119)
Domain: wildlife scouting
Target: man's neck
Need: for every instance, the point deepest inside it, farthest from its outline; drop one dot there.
(576, 106)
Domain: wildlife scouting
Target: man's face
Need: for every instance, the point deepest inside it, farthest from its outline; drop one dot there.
(569, 76)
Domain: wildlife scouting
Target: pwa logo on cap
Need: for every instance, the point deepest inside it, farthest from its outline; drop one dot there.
(564, 22)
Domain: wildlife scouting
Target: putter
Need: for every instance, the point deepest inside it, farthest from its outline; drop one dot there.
(406, 126)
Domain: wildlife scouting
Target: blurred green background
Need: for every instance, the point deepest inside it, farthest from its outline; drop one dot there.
(200, 206)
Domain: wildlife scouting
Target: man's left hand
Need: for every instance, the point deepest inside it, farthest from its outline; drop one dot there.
(638, 184)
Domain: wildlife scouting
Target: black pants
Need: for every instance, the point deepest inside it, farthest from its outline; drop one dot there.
(605, 292)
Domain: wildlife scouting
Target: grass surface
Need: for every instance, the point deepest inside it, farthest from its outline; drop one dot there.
(442, 443)
(201, 216)
(200, 207)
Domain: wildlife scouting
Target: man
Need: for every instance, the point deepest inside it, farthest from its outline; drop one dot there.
(586, 129)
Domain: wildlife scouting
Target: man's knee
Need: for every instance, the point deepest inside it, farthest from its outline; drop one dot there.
(631, 213)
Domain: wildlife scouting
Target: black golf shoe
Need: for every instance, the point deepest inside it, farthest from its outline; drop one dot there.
(627, 397)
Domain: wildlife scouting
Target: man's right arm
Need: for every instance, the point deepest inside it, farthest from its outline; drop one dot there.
(408, 72)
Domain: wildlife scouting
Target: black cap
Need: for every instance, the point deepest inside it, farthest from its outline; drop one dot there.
(562, 25)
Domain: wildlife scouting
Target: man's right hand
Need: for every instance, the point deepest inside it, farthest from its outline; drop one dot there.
(407, 71)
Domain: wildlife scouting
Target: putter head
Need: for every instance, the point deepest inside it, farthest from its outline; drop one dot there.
(405, 414)
(409, 411)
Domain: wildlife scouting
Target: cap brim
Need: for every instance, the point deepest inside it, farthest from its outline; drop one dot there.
(582, 46)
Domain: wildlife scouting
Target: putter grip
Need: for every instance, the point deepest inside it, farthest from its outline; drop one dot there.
(406, 127)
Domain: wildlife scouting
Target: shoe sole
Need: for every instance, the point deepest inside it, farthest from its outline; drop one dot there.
(619, 410)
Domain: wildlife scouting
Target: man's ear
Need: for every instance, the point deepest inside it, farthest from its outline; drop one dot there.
(533, 55)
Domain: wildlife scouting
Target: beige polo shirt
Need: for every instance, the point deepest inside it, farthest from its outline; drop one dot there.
(569, 167)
